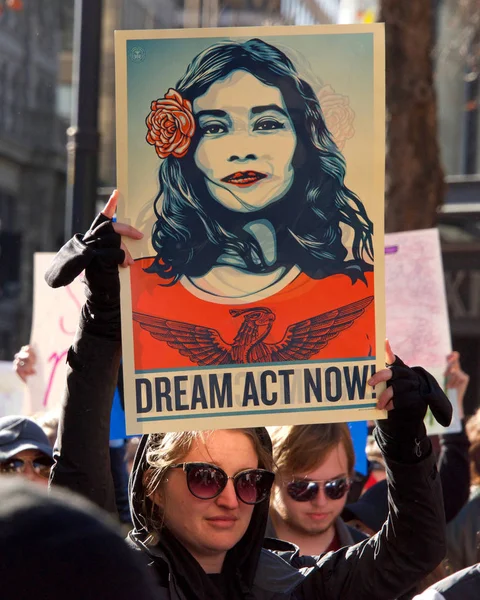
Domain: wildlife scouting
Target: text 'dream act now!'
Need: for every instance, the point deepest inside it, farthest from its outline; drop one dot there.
(222, 397)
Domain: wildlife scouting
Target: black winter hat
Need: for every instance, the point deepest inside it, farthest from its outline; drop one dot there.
(57, 546)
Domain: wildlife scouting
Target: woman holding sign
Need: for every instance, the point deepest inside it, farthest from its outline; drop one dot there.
(200, 499)
(252, 214)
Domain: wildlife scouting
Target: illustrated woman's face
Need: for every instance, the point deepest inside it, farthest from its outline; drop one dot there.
(247, 142)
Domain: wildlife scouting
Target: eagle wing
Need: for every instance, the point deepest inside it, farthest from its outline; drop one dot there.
(202, 345)
(305, 338)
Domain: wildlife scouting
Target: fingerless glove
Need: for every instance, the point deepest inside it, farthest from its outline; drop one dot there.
(98, 253)
(402, 435)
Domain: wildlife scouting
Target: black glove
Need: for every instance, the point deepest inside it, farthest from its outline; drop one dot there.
(402, 435)
(98, 253)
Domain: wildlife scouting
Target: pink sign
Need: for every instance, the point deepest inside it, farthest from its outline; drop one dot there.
(55, 318)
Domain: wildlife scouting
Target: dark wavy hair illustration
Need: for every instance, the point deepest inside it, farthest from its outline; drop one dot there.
(192, 230)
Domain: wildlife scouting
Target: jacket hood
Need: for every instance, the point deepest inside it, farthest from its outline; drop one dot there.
(242, 559)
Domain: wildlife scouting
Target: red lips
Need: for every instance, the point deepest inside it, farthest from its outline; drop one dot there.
(244, 178)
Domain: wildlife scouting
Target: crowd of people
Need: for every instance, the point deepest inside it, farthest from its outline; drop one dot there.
(242, 513)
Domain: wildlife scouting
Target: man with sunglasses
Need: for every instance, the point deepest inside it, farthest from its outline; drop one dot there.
(24, 449)
(314, 469)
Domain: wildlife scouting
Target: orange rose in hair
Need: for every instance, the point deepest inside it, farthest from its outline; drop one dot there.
(170, 125)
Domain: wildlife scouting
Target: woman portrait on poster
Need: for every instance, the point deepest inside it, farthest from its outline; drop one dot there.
(252, 198)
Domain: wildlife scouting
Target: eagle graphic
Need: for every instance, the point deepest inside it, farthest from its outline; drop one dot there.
(205, 346)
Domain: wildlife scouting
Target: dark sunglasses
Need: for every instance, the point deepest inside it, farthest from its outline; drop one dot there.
(206, 481)
(304, 490)
(40, 465)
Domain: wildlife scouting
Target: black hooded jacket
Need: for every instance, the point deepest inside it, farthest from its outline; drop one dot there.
(409, 546)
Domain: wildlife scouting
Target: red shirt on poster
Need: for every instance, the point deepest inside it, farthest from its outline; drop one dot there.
(303, 298)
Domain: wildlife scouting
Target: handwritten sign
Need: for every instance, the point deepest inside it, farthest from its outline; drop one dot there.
(11, 390)
(416, 305)
(55, 318)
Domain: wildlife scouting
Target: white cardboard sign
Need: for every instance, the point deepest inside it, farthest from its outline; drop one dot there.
(416, 306)
(55, 318)
(11, 390)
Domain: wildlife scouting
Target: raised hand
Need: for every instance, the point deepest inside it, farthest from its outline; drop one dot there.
(24, 362)
(101, 247)
(121, 228)
(456, 378)
(98, 253)
(409, 392)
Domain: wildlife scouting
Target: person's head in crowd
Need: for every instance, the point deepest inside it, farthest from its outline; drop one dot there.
(24, 449)
(130, 451)
(473, 427)
(374, 455)
(204, 489)
(49, 423)
(376, 464)
(314, 468)
(370, 511)
(56, 546)
(474, 453)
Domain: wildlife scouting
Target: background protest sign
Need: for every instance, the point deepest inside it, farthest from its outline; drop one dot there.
(416, 305)
(11, 391)
(253, 162)
(55, 318)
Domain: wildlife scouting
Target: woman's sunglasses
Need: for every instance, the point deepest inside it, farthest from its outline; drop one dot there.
(304, 490)
(40, 465)
(206, 481)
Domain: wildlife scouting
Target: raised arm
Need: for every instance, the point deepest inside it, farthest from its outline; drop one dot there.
(411, 543)
(82, 461)
(453, 462)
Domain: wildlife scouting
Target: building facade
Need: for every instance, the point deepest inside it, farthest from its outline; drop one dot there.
(32, 158)
(459, 222)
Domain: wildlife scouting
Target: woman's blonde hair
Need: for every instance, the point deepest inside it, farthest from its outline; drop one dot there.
(165, 450)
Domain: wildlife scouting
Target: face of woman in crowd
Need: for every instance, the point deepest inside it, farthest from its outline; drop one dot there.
(209, 528)
(247, 142)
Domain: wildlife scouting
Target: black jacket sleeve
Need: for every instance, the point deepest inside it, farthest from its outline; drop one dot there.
(454, 468)
(409, 546)
(82, 460)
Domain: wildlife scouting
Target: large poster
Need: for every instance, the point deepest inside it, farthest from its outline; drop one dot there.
(253, 162)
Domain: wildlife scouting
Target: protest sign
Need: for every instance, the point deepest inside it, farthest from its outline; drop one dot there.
(55, 318)
(253, 162)
(11, 390)
(416, 305)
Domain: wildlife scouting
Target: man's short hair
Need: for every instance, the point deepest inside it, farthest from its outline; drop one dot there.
(301, 448)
